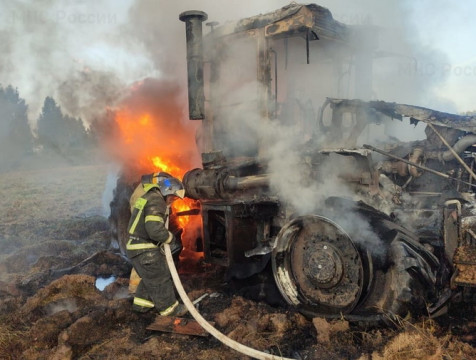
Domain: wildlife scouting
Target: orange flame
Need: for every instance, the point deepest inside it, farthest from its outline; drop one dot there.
(178, 205)
(167, 166)
(146, 146)
(152, 135)
(181, 205)
(152, 131)
(137, 131)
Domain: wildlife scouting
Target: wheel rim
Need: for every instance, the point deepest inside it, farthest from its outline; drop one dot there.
(317, 265)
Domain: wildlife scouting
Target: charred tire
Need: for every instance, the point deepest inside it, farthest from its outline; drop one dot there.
(405, 283)
(355, 279)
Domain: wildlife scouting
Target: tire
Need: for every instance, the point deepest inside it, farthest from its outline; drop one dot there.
(385, 272)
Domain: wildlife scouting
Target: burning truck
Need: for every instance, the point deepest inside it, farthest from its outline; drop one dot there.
(348, 220)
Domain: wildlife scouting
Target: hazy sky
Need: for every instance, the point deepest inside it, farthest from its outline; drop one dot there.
(449, 26)
(83, 52)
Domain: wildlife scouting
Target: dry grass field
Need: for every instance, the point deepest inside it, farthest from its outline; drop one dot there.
(44, 204)
(50, 193)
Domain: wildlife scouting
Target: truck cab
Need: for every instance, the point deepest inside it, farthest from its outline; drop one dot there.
(286, 184)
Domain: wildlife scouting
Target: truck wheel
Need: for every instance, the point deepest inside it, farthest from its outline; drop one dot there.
(320, 269)
(316, 265)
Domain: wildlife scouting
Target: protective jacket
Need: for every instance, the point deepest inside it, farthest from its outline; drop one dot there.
(147, 230)
(147, 223)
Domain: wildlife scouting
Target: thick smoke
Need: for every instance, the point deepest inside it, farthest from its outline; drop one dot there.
(84, 53)
(64, 49)
(397, 57)
(283, 148)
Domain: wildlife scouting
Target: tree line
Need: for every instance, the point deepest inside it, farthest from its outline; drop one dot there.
(55, 133)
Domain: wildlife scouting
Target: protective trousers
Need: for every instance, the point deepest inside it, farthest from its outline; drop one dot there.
(156, 288)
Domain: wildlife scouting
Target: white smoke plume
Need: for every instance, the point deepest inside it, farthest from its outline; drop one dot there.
(108, 193)
(86, 53)
(293, 177)
(69, 305)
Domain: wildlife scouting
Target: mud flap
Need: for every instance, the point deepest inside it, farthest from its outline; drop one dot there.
(178, 325)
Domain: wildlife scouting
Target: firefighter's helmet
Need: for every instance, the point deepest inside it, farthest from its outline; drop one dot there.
(171, 186)
(154, 178)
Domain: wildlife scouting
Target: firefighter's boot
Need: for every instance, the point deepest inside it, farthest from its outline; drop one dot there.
(175, 310)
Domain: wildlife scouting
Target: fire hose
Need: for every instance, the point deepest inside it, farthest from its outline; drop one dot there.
(203, 323)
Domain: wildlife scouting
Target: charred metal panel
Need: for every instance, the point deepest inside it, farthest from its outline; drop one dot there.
(299, 24)
(291, 20)
(415, 113)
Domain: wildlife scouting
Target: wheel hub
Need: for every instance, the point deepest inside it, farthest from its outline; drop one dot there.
(323, 265)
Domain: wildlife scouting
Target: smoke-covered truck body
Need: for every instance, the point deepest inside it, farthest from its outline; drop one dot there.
(364, 232)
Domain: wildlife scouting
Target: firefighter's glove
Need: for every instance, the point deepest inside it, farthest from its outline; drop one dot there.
(175, 245)
(169, 239)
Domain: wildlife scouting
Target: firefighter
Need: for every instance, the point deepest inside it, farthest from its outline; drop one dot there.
(148, 231)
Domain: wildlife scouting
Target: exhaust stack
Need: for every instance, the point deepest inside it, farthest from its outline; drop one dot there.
(193, 26)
